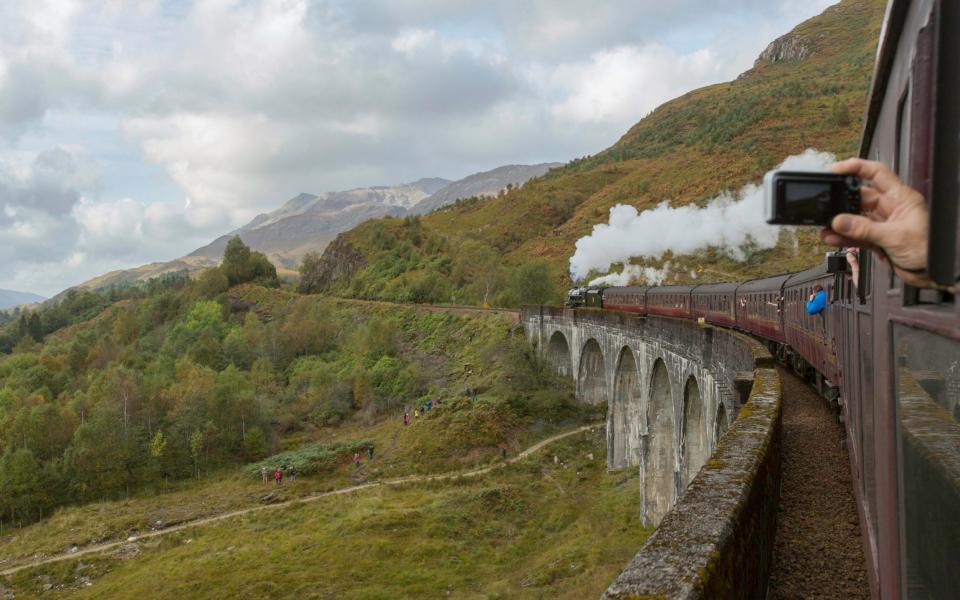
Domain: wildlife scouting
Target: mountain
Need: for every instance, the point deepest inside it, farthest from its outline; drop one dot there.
(10, 298)
(309, 222)
(808, 89)
(487, 183)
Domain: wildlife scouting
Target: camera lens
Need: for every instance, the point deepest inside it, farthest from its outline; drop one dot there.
(853, 182)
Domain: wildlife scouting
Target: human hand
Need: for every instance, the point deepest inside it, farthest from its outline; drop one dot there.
(895, 222)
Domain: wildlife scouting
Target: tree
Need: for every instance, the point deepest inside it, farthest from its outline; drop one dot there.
(20, 492)
(212, 283)
(240, 265)
(255, 445)
(125, 327)
(196, 449)
(158, 449)
(34, 327)
(530, 283)
(309, 273)
(158, 445)
(477, 267)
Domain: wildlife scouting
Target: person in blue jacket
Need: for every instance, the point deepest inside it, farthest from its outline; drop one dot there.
(817, 301)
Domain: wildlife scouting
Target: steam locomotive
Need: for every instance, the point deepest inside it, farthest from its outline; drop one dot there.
(887, 353)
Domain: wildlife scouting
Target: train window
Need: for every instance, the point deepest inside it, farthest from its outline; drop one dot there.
(927, 388)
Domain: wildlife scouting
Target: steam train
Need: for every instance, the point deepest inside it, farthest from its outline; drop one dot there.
(771, 308)
(886, 352)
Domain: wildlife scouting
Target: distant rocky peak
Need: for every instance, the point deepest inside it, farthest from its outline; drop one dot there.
(299, 201)
(430, 185)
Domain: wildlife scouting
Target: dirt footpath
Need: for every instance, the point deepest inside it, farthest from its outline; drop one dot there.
(818, 552)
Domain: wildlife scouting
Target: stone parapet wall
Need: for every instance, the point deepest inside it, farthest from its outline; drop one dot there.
(717, 542)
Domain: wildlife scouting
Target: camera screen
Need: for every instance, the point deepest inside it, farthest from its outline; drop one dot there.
(807, 200)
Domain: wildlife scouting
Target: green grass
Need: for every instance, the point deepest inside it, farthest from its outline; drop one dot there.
(533, 530)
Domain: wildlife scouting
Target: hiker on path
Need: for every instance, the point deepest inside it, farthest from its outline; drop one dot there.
(416, 412)
(278, 475)
(406, 418)
(356, 459)
(293, 474)
(263, 474)
(370, 453)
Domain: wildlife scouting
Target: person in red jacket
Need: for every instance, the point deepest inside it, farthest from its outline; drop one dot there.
(278, 475)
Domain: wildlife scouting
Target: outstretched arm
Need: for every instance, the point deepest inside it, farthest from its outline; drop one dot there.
(895, 222)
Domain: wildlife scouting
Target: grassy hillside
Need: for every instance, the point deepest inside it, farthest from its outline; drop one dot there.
(688, 150)
(190, 379)
(527, 531)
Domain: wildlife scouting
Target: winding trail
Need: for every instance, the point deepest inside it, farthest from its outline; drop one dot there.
(98, 548)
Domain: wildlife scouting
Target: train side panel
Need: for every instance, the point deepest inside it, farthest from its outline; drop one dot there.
(669, 301)
(812, 336)
(714, 303)
(627, 299)
(759, 306)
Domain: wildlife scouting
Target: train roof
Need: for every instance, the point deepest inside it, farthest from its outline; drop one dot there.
(894, 19)
(715, 288)
(628, 289)
(817, 272)
(765, 284)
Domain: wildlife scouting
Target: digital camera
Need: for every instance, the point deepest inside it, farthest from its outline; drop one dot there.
(837, 262)
(808, 198)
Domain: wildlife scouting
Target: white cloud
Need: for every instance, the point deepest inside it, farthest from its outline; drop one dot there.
(624, 83)
(241, 105)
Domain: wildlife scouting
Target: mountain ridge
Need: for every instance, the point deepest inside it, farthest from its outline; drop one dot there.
(11, 298)
(309, 222)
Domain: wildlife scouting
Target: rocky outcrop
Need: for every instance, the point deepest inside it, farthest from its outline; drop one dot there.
(787, 47)
(339, 262)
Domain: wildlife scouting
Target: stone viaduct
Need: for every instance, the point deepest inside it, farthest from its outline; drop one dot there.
(673, 388)
(670, 387)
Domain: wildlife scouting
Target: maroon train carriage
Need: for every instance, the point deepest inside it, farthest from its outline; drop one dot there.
(714, 303)
(811, 338)
(627, 299)
(902, 344)
(669, 301)
(758, 307)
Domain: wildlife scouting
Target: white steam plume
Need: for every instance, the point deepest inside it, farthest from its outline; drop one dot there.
(649, 275)
(728, 221)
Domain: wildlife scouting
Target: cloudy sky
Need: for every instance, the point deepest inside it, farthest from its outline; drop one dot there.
(135, 131)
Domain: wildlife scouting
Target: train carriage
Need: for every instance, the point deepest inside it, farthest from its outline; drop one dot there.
(901, 343)
(669, 301)
(627, 299)
(758, 307)
(714, 302)
(811, 337)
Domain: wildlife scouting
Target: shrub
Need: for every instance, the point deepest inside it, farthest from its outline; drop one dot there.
(311, 458)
